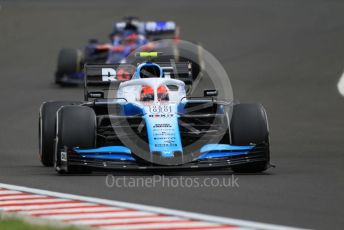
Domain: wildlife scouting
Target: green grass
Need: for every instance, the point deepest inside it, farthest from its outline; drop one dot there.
(16, 224)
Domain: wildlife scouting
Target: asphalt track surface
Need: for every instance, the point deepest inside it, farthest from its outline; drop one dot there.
(288, 55)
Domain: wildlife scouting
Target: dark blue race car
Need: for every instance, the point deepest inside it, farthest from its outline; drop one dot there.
(126, 37)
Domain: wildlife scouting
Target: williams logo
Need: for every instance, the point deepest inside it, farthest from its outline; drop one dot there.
(108, 74)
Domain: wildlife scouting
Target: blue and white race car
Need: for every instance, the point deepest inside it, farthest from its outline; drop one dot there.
(127, 37)
(148, 122)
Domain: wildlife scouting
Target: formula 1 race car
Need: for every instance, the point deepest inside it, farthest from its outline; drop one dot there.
(149, 123)
(126, 37)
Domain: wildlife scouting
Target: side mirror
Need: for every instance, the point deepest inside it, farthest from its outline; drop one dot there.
(210, 93)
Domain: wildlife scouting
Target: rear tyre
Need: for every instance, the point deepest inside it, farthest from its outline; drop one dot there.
(46, 130)
(249, 125)
(76, 127)
(69, 61)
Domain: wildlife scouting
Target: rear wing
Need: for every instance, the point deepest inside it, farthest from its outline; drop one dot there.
(102, 80)
(161, 28)
(155, 29)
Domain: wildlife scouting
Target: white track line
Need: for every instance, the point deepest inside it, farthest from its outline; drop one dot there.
(140, 210)
(45, 206)
(19, 197)
(36, 201)
(161, 226)
(233, 228)
(117, 221)
(340, 85)
(70, 210)
(96, 215)
(5, 192)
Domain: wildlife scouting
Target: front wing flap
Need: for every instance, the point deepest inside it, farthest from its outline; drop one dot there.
(123, 160)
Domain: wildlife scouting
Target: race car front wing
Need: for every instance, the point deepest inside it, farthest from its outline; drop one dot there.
(103, 161)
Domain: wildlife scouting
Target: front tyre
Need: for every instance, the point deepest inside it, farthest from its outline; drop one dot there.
(69, 61)
(47, 131)
(75, 127)
(249, 125)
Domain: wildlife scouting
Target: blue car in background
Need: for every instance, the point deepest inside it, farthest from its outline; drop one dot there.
(127, 36)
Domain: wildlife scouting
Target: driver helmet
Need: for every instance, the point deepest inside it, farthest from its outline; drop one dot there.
(147, 93)
(130, 37)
